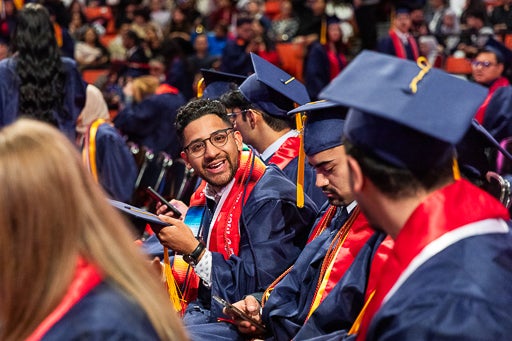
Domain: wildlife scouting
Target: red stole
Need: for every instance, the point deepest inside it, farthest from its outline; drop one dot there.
(445, 210)
(224, 236)
(166, 89)
(341, 254)
(286, 153)
(498, 83)
(337, 62)
(322, 224)
(400, 48)
(86, 278)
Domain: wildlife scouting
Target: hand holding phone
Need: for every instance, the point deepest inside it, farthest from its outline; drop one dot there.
(157, 197)
(240, 314)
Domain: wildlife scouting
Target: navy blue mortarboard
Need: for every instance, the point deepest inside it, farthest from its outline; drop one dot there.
(272, 89)
(324, 125)
(407, 114)
(218, 83)
(137, 213)
(503, 54)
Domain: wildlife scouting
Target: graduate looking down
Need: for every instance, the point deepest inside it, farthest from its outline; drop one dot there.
(452, 239)
(242, 228)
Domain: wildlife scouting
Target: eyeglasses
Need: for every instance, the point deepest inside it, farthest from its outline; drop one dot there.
(484, 64)
(232, 115)
(218, 139)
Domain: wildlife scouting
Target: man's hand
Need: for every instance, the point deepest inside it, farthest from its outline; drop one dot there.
(177, 236)
(251, 307)
(180, 205)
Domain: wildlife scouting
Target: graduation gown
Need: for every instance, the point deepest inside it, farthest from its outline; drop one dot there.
(105, 313)
(385, 45)
(448, 276)
(74, 95)
(150, 123)
(116, 166)
(273, 232)
(286, 311)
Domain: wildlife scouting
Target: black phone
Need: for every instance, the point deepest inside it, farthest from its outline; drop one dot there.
(156, 196)
(237, 312)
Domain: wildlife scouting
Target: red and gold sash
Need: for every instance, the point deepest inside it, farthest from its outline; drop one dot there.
(286, 153)
(400, 48)
(454, 206)
(86, 278)
(341, 253)
(224, 235)
(500, 82)
(322, 224)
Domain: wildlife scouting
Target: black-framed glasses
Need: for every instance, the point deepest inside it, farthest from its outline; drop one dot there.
(233, 114)
(218, 139)
(485, 64)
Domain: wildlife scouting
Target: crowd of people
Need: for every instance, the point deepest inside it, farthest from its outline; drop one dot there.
(366, 197)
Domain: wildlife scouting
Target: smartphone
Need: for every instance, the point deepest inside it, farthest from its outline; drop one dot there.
(157, 197)
(237, 312)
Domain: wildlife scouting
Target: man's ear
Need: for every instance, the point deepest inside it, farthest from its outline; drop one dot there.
(356, 175)
(238, 140)
(252, 118)
(184, 156)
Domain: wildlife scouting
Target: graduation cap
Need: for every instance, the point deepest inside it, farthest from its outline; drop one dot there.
(137, 214)
(324, 125)
(218, 83)
(272, 89)
(407, 114)
(503, 54)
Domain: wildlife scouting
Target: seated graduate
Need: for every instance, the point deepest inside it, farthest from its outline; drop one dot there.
(70, 269)
(324, 291)
(242, 228)
(149, 113)
(104, 151)
(259, 111)
(453, 246)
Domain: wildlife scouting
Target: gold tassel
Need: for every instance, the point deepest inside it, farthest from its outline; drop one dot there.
(323, 32)
(175, 294)
(357, 323)
(456, 170)
(300, 120)
(200, 87)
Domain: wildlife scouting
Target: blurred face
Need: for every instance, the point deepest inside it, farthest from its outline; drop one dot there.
(201, 43)
(245, 31)
(334, 32)
(402, 22)
(218, 165)
(485, 68)
(332, 175)
(90, 36)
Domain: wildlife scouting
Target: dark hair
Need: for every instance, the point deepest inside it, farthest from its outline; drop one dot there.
(196, 109)
(39, 67)
(397, 182)
(235, 99)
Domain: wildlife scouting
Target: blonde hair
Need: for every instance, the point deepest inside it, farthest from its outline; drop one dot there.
(144, 86)
(53, 212)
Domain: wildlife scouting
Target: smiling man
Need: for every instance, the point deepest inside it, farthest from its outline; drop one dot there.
(249, 229)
